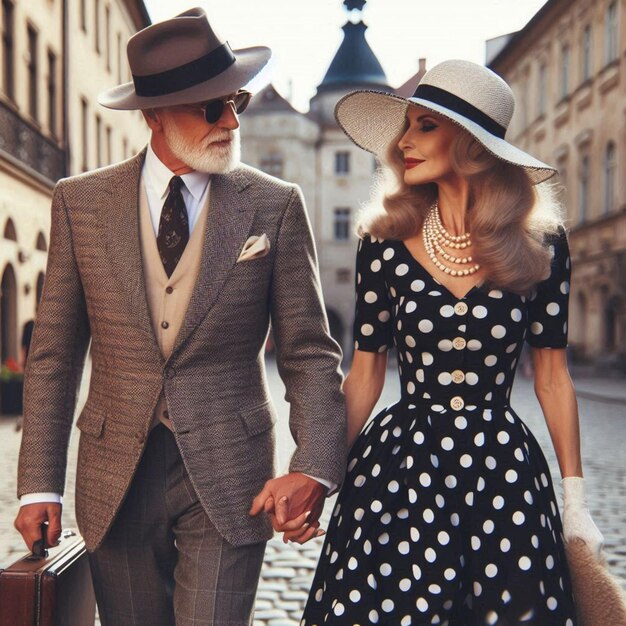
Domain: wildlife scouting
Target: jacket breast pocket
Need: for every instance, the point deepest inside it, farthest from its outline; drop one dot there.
(258, 419)
(91, 419)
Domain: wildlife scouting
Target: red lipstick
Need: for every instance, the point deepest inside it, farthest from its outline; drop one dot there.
(411, 163)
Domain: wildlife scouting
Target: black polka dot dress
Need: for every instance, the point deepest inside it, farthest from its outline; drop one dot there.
(447, 515)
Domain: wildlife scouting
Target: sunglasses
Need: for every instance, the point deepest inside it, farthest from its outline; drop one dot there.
(214, 109)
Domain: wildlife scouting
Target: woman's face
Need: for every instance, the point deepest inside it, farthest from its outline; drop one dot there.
(426, 147)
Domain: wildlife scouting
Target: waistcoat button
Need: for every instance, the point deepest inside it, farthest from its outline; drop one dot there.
(459, 343)
(460, 308)
(458, 376)
(457, 403)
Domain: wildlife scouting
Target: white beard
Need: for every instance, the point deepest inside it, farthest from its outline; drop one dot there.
(205, 157)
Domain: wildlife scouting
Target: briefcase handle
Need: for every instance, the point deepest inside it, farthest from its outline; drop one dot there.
(39, 547)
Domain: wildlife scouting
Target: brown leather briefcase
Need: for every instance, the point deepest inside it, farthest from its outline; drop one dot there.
(52, 590)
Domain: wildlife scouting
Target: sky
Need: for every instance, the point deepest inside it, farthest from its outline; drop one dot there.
(305, 34)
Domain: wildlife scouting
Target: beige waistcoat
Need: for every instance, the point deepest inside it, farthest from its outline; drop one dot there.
(168, 298)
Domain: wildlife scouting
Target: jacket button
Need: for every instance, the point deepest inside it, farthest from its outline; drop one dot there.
(457, 403)
(460, 308)
(165, 325)
(459, 343)
(169, 289)
(458, 376)
(170, 372)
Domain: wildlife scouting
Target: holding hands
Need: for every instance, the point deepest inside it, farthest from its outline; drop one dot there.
(294, 503)
(577, 522)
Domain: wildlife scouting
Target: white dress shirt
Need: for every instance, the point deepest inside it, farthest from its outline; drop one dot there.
(155, 177)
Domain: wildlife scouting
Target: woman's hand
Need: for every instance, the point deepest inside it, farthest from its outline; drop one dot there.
(577, 522)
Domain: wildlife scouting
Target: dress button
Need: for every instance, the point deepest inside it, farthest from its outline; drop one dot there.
(458, 376)
(457, 403)
(165, 325)
(460, 308)
(459, 343)
(169, 289)
(170, 372)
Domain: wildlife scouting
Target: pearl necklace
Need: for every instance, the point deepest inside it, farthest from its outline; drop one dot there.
(437, 238)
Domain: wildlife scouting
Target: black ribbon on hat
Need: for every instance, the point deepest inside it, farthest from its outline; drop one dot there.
(184, 76)
(448, 100)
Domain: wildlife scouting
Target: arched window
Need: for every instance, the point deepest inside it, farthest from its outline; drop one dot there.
(40, 280)
(610, 165)
(9, 230)
(583, 189)
(41, 242)
(8, 315)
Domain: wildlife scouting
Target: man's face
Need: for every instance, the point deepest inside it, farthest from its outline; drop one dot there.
(204, 147)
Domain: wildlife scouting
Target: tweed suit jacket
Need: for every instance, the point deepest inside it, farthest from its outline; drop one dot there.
(214, 380)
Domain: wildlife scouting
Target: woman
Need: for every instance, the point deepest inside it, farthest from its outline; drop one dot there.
(447, 514)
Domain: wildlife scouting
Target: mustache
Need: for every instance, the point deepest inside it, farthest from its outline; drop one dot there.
(223, 135)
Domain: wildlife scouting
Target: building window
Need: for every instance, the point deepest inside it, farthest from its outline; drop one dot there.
(98, 141)
(342, 162)
(610, 166)
(107, 34)
(342, 224)
(542, 89)
(344, 275)
(9, 231)
(41, 243)
(8, 82)
(565, 70)
(125, 148)
(583, 190)
(273, 165)
(52, 93)
(33, 99)
(119, 58)
(109, 146)
(586, 53)
(97, 24)
(610, 33)
(83, 15)
(85, 132)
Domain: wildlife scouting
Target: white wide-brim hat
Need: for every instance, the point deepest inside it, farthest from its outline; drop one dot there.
(182, 61)
(468, 94)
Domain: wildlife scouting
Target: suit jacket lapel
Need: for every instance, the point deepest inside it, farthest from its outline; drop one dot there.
(227, 226)
(120, 214)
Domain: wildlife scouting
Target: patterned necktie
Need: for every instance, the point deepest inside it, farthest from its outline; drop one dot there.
(173, 227)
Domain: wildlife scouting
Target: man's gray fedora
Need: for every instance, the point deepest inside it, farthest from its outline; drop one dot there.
(181, 61)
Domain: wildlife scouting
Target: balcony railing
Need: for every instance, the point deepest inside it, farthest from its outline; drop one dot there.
(24, 142)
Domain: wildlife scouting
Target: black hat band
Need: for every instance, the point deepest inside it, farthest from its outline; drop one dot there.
(184, 76)
(462, 107)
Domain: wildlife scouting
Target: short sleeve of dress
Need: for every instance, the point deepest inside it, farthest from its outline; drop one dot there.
(548, 307)
(372, 318)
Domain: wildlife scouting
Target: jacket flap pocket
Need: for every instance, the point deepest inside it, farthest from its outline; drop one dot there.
(259, 418)
(91, 419)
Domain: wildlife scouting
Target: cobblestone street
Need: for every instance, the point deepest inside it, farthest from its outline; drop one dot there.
(289, 568)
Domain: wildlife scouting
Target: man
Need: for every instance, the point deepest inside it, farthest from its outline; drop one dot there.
(173, 263)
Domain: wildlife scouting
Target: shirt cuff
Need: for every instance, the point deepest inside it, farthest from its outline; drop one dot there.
(41, 496)
(330, 486)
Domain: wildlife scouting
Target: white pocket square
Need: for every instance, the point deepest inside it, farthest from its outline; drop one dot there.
(254, 248)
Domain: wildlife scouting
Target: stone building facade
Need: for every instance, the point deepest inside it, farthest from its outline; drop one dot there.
(54, 57)
(567, 69)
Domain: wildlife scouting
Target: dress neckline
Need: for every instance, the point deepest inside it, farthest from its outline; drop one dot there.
(475, 287)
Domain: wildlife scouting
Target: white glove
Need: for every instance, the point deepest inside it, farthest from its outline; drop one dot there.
(577, 523)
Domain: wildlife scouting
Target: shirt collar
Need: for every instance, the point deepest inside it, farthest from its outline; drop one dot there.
(158, 176)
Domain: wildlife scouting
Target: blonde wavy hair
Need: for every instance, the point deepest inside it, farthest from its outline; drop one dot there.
(509, 217)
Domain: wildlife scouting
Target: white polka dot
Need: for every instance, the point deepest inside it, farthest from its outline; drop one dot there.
(430, 555)
(388, 254)
(410, 387)
(410, 341)
(405, 621)
(419, 375)
(503, 437)
(445, 378)
(353, 563)
(500, 378)
(373, 615)
(446, 310)
(455, 520)
(385, 569)
(475, 543)
(449, 574)
(564, 287)
(429, 516)
(492, 618)
(427, 358)
(367, 546)
(370, 297)
(384, 316)
(410, 307)
(495, 293)
(425, 326)
(367, 330)
(505, 545)
(460, 422)
(474, 345)
(491, 360)
(319, 594)
(553, 308)
(445, 345)
(418, 437)
(393, 486)
(375, 265)
(536, 328)
(376, 470)
(466, 460)
(477, 588)
(451, 481)
(516, 315)
(422, 605)
(358, 514)
(524, 563)
(488, 526)
(447, 443)
(359, 481)
(425, 479)
(443, 538)
(404, 584)
(518, 518)
(549, 561)
(403, 547)
(491, 570)
(402, 269)
(471, 378)
(376, 506)
(490, 462)
(479, 439)
(498, 331)
(498, 502)
(479, 311)
(417, 285)
(511, 476)
(415, 534)
(371, 581)
(552, 603)
(355, 595)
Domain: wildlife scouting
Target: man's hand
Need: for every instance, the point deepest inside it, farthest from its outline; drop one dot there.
(30, 518)
(294, 503)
